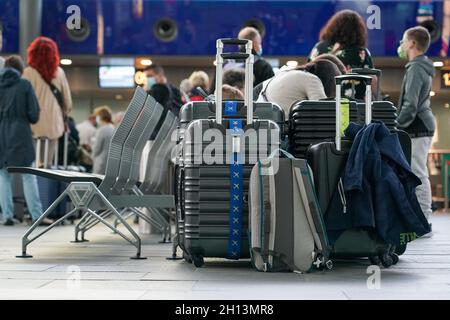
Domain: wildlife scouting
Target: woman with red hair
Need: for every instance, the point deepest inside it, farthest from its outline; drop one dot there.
(52, 90)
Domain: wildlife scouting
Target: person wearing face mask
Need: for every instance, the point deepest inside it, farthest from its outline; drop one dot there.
(415, 115)
(155, 75)
(262, 70)
(103, 136)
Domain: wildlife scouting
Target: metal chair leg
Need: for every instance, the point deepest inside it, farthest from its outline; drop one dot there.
(26, 241)
(136, 243)
(93, 222)
(85, 216)
(174, 249)
(125, 216)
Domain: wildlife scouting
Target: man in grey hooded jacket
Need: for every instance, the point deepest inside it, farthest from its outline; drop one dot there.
(415, 116)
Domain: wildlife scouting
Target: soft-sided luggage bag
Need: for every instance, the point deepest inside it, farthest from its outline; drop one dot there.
(215, 193)
(287, 232)
(327, 161)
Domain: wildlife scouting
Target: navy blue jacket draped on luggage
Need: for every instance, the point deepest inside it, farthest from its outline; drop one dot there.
(18, 108)
(379, 188)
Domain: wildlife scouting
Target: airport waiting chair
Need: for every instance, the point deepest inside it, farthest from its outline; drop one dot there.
(94, 195)
(154, 178)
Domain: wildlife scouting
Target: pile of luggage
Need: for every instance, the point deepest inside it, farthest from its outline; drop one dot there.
(238, 195)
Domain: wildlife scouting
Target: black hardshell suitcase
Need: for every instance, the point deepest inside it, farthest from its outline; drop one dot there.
(215, 194)
(196, 110)
(327, 160)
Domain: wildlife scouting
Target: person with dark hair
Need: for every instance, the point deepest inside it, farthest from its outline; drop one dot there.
(103, 138)
(52, 90)
(234, 78)
(332, 58)
(345, 35)
(231, 93)
(155, 75)
(18, 109)
(313, 81)
(415, 115)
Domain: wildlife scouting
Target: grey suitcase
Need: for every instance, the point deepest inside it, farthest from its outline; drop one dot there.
(287, 232)
(215, 193)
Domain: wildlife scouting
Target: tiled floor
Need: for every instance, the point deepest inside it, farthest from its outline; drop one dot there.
(106, 272)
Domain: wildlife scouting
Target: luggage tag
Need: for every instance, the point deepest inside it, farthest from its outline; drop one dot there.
(345, 115)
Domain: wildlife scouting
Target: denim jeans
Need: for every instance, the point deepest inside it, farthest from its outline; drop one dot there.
(30, 190)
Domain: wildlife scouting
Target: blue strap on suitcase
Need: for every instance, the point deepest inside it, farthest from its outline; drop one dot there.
(236, 194)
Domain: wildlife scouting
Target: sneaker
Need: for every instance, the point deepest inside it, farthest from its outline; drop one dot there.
(8, 222)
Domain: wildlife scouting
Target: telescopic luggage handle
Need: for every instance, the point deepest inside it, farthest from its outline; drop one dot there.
(367, 71)
(368, 101)
(248, 87)
(353, 76)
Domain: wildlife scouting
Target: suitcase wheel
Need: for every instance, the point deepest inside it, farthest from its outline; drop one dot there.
(385, 259)
(375, 260)
(395, 258)
(198, 261)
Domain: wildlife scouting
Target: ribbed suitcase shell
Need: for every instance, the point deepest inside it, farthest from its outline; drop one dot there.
(314, 121)
(206, 110)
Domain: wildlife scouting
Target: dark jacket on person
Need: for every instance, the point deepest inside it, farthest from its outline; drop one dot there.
(415, 115)
(262, 70)
(379, 188)
(175, 98)
(351, 57)
(18, 109)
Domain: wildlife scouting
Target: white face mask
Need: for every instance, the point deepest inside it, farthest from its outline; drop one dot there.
(98, 120)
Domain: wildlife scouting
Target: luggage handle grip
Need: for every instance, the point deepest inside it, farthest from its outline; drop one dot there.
(353, 76)
(233, 41)
(235, 56)
(367, 71)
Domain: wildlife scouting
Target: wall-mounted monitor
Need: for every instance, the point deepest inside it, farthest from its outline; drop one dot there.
(116, 77)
